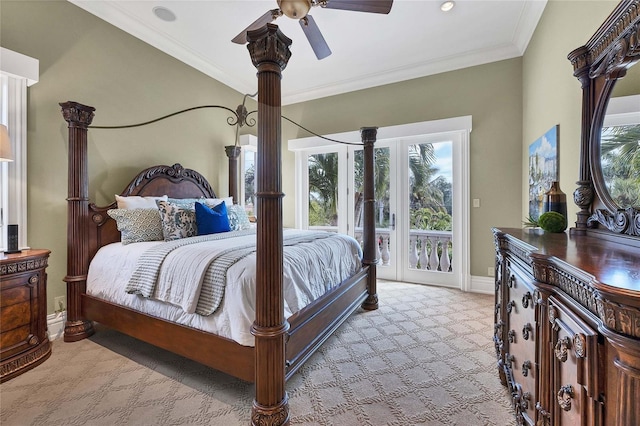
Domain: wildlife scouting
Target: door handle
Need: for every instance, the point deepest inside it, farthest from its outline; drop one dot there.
(393, 222)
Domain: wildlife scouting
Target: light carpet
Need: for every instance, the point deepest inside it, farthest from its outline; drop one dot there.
(425, 357)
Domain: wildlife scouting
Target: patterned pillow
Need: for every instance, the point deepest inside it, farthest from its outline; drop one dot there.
(238, 219)
(137, 225)
(178, 220)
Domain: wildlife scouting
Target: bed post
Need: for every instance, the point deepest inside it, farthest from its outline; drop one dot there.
(233, 152)
(79, 117)
(269, 50)
(370, 252)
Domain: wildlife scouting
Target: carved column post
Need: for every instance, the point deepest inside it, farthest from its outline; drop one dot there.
(269, 50)
(583, 195)
(78, 117)
(233, 152)
(627, 363)
(370, 251)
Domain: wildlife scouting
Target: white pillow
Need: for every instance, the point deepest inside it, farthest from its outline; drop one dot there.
(138, 202)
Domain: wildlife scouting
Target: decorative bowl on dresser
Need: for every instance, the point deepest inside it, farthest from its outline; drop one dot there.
(24, 342)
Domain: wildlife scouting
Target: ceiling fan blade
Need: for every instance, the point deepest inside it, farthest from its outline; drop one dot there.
(372, 6)
(316, 40)
(270, 16)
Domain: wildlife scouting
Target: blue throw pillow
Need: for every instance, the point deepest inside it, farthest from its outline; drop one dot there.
(212, 220)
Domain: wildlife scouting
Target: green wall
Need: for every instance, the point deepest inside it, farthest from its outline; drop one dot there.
(491, 93)
(552, 95)
(87, 60)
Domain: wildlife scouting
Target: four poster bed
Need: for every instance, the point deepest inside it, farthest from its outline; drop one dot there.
(281, 344)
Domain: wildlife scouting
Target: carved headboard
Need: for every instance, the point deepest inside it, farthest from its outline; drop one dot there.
(600, 65)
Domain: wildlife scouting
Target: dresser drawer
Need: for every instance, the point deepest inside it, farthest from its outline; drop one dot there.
(574, 354)
(16, 290)
(521, 336)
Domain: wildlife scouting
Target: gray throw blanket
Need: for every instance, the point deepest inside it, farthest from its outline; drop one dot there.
(212, 275)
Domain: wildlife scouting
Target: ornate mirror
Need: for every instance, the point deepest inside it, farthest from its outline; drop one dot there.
(618, 153)
(609, 185)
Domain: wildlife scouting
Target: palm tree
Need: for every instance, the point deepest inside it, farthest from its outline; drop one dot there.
(620, 150)
(323, 188)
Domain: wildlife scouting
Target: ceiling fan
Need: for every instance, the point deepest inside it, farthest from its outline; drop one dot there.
(299, 9)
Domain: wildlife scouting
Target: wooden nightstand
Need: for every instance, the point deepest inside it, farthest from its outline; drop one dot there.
(24, 342)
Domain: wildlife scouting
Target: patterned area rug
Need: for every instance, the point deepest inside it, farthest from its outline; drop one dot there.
(424, 358)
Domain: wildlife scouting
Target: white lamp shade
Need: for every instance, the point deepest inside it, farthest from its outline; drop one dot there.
(5, 144)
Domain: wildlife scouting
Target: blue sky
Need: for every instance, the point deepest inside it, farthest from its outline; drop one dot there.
(444, 159)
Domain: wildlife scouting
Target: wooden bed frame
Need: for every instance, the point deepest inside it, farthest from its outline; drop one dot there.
(281, 346)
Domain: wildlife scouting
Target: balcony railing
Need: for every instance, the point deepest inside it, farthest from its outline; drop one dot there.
(428, 250)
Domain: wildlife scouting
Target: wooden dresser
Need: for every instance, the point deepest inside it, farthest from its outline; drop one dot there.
(567, 328)
(24, 342)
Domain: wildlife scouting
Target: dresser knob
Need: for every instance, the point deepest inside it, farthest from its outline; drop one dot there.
(524, 401)
(510, 306)
(511, 336)
(512, 281)
(508, 360)
(564, 397)
(545, 416)
(562, 348)
(526, 330)
(526, 366)
(526, 299)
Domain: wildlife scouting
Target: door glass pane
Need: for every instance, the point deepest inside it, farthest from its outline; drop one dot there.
(323, 190)
(430, 206)
(382, 214)
(249, 169)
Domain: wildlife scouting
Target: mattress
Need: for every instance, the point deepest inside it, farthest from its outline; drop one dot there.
(309, 270)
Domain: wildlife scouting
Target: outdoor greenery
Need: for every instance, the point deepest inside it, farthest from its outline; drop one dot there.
(620, 149)
(429, 196)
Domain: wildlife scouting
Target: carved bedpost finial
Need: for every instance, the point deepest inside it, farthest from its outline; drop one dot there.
(77, 114)
(269, 44)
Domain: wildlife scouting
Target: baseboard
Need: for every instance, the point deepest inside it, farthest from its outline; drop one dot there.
(55, 324)
(485, 285)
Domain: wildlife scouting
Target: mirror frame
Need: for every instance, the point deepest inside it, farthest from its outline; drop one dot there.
(605, 58)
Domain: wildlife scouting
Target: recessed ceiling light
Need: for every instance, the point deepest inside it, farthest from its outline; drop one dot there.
(164, 14)
(447, 6)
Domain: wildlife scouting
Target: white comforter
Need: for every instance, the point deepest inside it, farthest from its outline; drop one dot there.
(313, 272)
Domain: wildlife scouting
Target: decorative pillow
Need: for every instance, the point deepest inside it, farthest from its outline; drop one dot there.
(138, 202)
(238, 219)
(138, 225)
(178, 221)
(190, 202)
(212, 220)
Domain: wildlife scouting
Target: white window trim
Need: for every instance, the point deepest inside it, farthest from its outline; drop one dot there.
(305, 146)
(247, 143)
(17, 73)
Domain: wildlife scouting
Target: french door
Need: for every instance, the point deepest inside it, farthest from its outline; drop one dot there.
(421, 192)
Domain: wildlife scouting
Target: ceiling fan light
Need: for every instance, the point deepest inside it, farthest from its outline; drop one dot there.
(447, 6)
(295, 9)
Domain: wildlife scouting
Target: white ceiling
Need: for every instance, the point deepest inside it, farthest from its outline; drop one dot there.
(414, 40)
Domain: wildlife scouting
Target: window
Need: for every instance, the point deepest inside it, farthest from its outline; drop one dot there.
(248, 183)
(421, 189)
(17, 72)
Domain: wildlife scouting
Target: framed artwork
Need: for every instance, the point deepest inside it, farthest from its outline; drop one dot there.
(543, 168)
